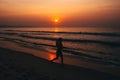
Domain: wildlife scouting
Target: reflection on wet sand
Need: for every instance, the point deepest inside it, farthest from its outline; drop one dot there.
(51, 56)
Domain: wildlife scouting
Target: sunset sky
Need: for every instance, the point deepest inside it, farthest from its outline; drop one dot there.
(67, 12)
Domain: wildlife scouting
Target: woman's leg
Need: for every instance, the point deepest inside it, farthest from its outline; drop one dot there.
(61, 56)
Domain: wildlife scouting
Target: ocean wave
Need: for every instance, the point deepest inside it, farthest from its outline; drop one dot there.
(110, 43)
(28, 34)
(48, 32)
(35, 45)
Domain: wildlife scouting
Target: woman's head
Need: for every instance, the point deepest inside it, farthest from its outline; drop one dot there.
(60, 39)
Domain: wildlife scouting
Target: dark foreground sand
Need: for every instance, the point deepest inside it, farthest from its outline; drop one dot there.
(21, 66)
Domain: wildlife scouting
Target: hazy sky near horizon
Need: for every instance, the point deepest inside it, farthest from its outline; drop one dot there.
(68, 12)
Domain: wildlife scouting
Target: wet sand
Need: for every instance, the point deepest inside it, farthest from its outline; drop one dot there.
(69, 60)
(16, 65)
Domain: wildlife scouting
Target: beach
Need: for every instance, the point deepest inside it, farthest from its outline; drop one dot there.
(59, 40)
(27, 55)
(17, 65)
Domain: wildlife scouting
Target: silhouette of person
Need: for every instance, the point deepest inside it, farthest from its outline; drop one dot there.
(59, 50)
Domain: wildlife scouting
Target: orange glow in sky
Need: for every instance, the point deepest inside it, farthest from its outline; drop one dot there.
(72, 12)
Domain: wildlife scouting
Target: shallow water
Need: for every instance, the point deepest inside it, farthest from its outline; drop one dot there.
(98, 44)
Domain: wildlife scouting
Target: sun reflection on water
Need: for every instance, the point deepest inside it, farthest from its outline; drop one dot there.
(56, 29)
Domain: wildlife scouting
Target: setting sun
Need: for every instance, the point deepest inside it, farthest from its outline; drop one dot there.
(56, 20)
(53, 39)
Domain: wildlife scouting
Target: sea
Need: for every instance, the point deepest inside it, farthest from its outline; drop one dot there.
(99, 44)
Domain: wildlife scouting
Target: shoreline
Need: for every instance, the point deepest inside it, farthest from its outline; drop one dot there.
(46, 69)
(69, 60)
